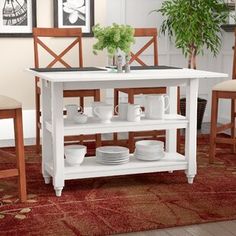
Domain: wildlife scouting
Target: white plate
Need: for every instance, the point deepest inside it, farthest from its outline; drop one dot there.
(112, 163)
(145, 153)
(112, 149)
(149, 158)
(112, 155)
(112, 159)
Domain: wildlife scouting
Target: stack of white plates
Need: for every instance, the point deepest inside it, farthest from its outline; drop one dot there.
(149, 150)
(112, 155)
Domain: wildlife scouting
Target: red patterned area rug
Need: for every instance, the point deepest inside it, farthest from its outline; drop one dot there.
(104, 206)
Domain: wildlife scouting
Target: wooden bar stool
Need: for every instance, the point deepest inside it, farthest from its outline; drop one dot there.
(225, 90)
(10, 108)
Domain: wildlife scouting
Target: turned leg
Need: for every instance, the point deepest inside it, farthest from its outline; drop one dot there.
(47, 179)
(213, 133)
(190, 178)
(37, 116)
(58, 191)
(191, 130)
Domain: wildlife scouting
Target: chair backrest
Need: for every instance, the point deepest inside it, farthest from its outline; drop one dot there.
(40, 33)
(234, 58)
(151, 35)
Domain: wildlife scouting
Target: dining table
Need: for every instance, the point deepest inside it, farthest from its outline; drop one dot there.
(55, 126)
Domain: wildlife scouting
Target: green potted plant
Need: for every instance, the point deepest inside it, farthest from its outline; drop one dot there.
(194, 25)
(113, 38)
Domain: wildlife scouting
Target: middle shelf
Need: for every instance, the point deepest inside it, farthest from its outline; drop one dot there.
(171, 121)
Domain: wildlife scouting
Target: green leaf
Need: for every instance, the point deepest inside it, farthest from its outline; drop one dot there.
(194, 23)
(113, 38)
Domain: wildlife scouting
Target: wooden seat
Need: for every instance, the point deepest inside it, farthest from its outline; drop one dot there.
(10, 108)
(150, 35)
(40, 35)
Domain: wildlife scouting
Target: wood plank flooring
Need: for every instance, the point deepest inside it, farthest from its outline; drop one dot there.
(224, 228)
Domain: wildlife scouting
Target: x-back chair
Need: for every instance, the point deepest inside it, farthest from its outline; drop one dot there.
(150, 36)
(40, 34)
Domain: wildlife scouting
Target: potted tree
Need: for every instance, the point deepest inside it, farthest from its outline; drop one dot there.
(114, 38)
(194, 25)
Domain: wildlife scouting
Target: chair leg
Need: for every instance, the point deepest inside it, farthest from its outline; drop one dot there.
(131, 134)
(38, 126)
(116, 102)
(81, 101)
(213, 133)
(178, 141)
(98, 140)
(178, 131)
(98, 137)
(20, 154)
(131, 144)
(233, 122)
(97, 95)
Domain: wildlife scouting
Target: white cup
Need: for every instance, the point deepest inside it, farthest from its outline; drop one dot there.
(104, 113)
(80, 118)
(134, 112)
(72, 111)
(96, 104)
(156, 106)
(121, 110)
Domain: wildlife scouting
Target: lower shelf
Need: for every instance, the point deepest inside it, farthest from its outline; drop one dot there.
(90, 168)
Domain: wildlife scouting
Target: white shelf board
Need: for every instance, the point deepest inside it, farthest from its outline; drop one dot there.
(90, 168)
(93, 126)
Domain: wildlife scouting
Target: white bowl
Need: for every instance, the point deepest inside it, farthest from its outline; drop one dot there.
(80, 118)
(149, 145)
(75, 154)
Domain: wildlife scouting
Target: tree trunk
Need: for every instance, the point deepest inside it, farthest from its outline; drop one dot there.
(192, 57)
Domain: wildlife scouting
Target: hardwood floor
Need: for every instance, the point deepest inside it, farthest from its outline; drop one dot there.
(224, 228)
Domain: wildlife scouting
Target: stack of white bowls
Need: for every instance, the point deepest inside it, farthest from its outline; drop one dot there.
(112, 155)
(149, 150)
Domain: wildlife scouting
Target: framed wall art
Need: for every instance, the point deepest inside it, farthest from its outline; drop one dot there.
(17, 18)
(74, 13)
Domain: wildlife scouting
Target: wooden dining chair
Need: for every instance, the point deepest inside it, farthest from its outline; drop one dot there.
(40, 35)
(223, 90)
(150, 35)
(11, 109)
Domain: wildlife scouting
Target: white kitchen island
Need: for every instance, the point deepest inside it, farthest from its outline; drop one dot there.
(54, 127)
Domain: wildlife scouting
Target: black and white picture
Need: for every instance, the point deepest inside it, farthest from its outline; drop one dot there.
(17, 17)
(74, 13)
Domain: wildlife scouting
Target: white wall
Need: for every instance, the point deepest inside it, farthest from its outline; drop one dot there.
(17, 54)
